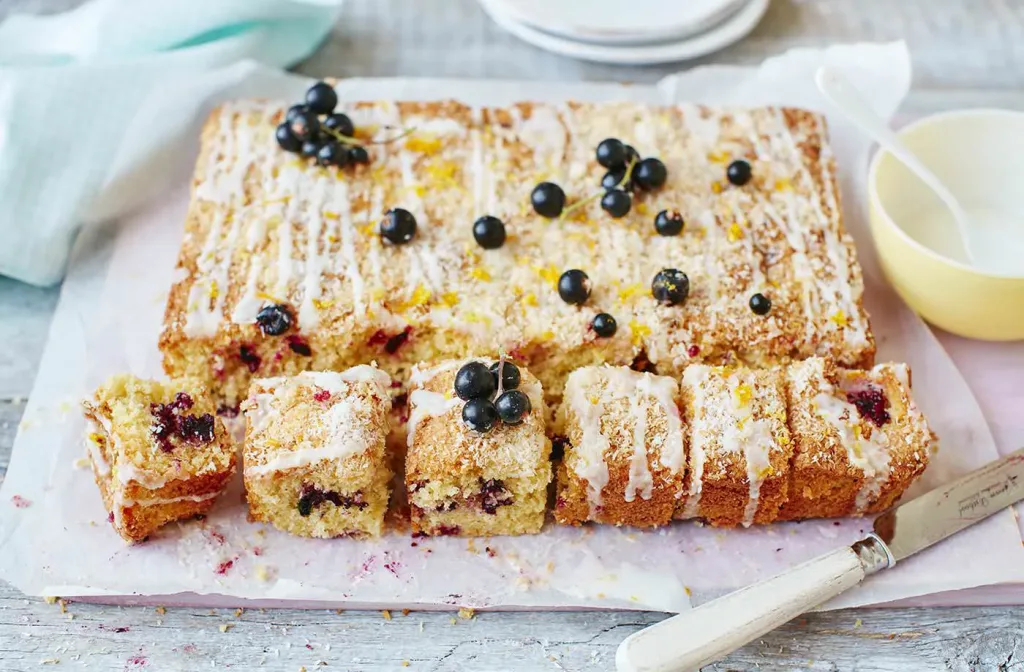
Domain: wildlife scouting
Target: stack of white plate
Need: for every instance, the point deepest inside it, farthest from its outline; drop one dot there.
(628, 32)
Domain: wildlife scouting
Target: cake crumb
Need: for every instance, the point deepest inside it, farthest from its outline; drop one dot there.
(452, 620)
(81, 463)
(466, 613)
(386, 614)
(161, 611)
(239, 612)
(405, 663)
(50, 599)
(224, 627)
(405, 612)
(857, 623)
(63, 605)
(49, 661)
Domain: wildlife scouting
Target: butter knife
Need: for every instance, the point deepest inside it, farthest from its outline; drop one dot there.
(715, 629)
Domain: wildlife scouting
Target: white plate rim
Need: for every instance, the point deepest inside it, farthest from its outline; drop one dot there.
(728, 32)
(655, 35)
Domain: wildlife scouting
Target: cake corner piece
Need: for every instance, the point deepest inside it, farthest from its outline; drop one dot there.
(860, 439)
(158, 452)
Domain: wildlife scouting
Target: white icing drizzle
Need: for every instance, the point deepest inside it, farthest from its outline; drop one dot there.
(127, 472)
(344, 439)
(707, 129)
(751, 436)
(420, 375)
(157, 501)
(102, 427)
(315, 262)
(477, 161)
(639, 473)
(591, 465)
(834, 248)
(694, 378)
(285, 263)
(638, 388)
(545, 132)
(344, 436)
(425, 404)
(203, 317)
(712, 247)
(249, 304)
(664, 391)
(868, 455)
(803, 272)
(364, 373)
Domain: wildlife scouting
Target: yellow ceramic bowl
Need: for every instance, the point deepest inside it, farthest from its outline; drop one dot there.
(979, 155)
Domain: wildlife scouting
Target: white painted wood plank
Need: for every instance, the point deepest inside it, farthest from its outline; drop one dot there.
(140, 638)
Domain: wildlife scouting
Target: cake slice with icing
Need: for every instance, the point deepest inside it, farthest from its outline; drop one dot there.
(475, 483)
(158, 453)
(314, 454)
(740, 446)
(624, 455)
(859, 438)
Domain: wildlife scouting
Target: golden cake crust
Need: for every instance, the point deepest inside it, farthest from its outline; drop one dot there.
(264, 228)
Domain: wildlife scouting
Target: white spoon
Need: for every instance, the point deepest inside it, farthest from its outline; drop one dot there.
(834, 86)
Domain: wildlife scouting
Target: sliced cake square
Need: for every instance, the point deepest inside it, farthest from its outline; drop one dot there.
(624, 455)
(314, 454)
(158, 452)
(740, 446)
(463, 481)
(860, 440)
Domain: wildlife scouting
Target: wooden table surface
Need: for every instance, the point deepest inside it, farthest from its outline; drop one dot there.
(965, 52)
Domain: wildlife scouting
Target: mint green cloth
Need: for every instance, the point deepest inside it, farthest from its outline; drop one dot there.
(97, 104)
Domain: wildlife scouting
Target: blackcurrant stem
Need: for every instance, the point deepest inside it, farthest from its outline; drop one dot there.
(347, 140)
(579, 204)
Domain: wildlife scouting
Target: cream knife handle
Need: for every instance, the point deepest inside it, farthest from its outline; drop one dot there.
(715, 629)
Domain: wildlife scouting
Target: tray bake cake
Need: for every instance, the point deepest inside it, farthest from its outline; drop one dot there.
(772, 274)
(158, 453)
(475, 475)
(314, 456)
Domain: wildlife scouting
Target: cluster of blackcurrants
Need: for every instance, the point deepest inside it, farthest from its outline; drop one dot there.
(315, 131)
(627, 173)
(490, 394)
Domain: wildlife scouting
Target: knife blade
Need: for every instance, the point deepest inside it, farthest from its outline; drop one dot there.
(944, 511)
(713, 630)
